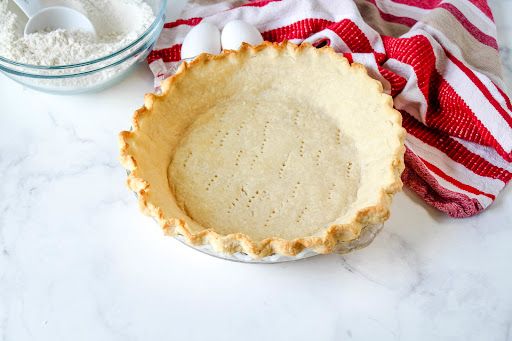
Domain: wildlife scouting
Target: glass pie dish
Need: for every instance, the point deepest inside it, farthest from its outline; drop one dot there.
(366, 237)
(91, 75)
(252, 167)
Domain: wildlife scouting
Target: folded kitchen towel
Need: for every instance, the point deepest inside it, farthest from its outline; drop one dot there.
(438, 59)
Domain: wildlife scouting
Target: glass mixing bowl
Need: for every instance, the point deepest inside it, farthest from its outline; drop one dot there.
(92, 75)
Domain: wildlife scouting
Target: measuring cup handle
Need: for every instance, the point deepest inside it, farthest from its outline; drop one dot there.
(29, 7)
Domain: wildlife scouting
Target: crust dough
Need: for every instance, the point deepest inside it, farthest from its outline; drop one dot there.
(269, 149)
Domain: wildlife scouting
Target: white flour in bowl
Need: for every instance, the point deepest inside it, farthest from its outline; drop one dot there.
(117, 23)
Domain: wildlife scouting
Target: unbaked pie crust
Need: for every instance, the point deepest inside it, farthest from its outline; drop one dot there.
(269, 149)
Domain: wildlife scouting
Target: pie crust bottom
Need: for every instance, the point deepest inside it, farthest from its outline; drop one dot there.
(268, 168)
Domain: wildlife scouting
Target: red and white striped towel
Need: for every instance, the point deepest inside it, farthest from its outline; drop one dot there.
(437, 58)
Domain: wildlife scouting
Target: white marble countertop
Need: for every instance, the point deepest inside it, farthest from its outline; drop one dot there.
(79, 262)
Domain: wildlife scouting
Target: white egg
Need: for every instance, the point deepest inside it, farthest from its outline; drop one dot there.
(236, 32)
(204, 37)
